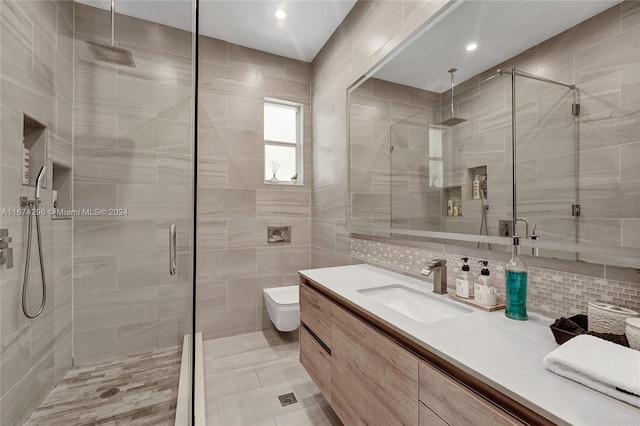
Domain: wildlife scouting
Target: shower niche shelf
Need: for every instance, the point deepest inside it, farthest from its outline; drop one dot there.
(34, 147)
(481, 172)
(452, 201)
(61, 197)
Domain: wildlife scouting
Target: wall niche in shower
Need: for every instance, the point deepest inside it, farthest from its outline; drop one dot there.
(61, 199)
(34, 150)
(478, 182)
(452, 201)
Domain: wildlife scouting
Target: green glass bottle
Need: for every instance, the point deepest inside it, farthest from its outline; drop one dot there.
(516, 281)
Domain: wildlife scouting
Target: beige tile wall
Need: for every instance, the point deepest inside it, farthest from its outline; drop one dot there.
(235, 206)
(385, 114)
(132, 150)
(36, 78)
(562, 160)
(368, 33)
(373, 29)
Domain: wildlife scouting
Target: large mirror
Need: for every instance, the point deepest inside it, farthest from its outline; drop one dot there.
(434, 128)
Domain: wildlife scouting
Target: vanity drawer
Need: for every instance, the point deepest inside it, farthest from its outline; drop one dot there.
(317, 361)
(315, 313)
(455, 403)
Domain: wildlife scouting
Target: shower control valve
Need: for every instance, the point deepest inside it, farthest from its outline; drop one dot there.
(6, 253)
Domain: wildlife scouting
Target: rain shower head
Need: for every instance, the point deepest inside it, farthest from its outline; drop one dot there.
(111, 54)
(453, 120)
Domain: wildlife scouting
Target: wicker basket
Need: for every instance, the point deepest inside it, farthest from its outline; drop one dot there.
(565, 329)
(608, 318)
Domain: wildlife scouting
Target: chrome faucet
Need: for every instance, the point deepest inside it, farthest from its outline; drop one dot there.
(526, 226)
(439, 267)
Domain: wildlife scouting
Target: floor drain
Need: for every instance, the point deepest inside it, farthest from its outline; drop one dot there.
(287, 399)
(111, 392)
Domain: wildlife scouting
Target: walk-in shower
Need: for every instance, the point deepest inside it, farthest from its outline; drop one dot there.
(433, 167)
(101, 156)
(575, 109)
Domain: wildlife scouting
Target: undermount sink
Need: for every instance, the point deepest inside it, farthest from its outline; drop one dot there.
(419, 306)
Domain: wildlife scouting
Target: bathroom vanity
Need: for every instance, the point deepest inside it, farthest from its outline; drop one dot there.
(384, 350)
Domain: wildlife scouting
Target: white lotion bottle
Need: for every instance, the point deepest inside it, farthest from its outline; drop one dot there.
(476, 187)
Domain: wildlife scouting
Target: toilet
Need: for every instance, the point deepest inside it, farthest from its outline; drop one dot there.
(283, 305)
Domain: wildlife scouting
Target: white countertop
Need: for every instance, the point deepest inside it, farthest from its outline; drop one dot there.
(501, 352)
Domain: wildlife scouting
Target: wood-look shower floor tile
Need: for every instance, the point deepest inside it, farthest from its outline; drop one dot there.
(148, 390)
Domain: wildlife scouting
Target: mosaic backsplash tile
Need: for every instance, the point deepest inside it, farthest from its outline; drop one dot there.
(552, 292)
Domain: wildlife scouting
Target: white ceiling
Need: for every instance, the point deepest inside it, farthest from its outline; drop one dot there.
(502, 29)
(250, 23)
(308, 25)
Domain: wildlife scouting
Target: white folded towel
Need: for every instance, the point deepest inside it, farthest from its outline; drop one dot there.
(599, 364)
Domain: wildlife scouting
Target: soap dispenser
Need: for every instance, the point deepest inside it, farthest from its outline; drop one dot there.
(516, 282)
(483, 293)
(462, 281)
(483, 279)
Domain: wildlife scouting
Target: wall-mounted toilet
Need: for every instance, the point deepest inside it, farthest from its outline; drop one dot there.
(283, 305)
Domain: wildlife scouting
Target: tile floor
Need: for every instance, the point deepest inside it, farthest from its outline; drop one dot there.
(245, 374)
(148, 386)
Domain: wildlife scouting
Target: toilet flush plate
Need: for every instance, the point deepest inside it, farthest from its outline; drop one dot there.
(278, 234)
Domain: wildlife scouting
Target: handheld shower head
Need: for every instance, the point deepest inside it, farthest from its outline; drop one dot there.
(39, 180)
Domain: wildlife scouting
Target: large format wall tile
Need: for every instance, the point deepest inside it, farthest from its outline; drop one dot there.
(226, 323)
(132, 151)
(226, 264)
(96, 345)
(94, 274)
(105, 309)
(111, 165)
(36, 79)
(112, 237)
(282, 260)
(235, 206)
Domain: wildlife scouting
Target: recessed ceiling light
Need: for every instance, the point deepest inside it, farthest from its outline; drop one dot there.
(281, 14)
(471, 47)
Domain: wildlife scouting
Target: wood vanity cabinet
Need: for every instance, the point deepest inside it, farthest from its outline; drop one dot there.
(315, 338)
(369, 378)
(455, 404)
(373, 380)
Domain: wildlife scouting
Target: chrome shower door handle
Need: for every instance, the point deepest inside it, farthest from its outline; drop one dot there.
(172, 249)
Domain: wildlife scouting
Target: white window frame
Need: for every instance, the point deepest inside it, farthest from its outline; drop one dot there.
(299, 138)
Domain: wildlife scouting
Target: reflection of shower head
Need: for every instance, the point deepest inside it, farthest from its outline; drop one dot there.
(111, 54)
(453, 120)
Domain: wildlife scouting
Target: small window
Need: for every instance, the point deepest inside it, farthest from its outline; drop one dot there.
(282, 141)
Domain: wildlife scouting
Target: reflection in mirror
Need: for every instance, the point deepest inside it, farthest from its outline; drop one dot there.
(414, 173)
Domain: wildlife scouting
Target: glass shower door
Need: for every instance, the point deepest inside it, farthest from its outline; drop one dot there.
(134, 150)
(118, 145)
(548, 162)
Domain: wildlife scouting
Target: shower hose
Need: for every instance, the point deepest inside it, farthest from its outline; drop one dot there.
(31, 206)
